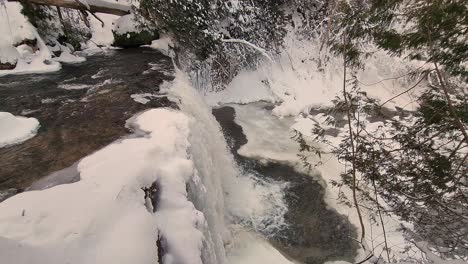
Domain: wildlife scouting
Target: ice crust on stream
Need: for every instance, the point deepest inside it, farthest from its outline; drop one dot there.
(16, 129)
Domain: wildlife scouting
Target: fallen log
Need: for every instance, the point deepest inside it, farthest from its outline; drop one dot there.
(95, 6)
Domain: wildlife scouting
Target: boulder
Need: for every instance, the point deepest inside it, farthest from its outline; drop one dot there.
(8, 56)
(134, 39)
(130, 33)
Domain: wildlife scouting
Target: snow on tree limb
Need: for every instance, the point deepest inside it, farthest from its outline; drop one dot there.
(95, 6)
(255, 47)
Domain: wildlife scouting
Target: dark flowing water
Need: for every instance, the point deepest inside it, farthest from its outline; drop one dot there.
(77, 122)
(315, 233)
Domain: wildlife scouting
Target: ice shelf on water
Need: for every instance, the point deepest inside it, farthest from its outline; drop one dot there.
(16, 129)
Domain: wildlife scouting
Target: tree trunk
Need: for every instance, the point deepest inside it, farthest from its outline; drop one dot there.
(95, 6)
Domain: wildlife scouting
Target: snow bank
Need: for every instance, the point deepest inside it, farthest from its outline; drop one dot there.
(163, 44)
(251, 249)
(66, 55)
(102, 35)
(16, 129)
(104, 218)
(14, 28)
(8, 53)
(246, 87)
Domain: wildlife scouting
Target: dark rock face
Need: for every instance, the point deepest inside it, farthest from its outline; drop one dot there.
(76, 123)
(134, 39)
(29, 42)
(316, 233)
(7, 65)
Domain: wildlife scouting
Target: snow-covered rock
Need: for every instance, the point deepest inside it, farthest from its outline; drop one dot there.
(128, 33)
(15, 30)
(16, 129)
(8, 56)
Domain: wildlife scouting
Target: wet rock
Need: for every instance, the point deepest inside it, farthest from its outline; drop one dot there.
(29, 42)
(152, 194)
(32, 43)
(134, 39)
(5, 194)
(7, 65)
(161, 251)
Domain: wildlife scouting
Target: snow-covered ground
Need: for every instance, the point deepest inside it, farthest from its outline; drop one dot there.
(249, 248)
(14, 28)
(104, 217)
(16, 129)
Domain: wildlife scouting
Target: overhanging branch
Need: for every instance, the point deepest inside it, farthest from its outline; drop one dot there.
(95, 6)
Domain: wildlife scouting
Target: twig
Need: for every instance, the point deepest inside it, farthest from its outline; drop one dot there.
(255, 47)
(95, 16)
(407, 90)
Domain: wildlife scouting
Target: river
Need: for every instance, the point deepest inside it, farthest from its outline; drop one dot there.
(252, 207)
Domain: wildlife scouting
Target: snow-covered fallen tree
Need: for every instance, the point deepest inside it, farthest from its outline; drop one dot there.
(95, 6)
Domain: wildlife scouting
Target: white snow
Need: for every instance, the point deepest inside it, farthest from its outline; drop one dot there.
(124, 5)
(300, 82)
(163, 44)
(16, 129)
(246, 87)
(66, 55)
(14, 28)
(102, 35)
(249, 248)
(263, 140)
(8, 53)
(143, 98)
(74, 86)
(125, 24)
(104, 218)
(222, 189)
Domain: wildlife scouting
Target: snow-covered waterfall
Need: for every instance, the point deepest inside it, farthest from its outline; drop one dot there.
(221, 191)
(209, 153)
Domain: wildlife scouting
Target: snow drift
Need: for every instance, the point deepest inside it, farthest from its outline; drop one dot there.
(16, 129)
(104, 217)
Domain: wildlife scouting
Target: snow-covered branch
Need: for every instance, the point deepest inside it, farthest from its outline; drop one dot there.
(95, 6)
(255, 47)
